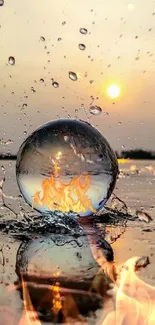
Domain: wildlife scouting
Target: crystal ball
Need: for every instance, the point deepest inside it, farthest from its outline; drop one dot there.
(66, 165)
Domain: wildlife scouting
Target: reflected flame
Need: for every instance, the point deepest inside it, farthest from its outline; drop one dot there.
(135, 300)
(56, 298)
(133, 168)
(65, 197)
(30, 316)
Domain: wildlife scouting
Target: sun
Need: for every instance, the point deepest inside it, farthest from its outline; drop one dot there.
(113, 91)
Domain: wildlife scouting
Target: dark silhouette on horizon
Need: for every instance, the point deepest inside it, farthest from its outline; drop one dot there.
(126, 154)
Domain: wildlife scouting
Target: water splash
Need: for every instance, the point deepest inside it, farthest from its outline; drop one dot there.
(95, 110)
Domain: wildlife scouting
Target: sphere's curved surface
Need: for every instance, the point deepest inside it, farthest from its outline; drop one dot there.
(66, 165)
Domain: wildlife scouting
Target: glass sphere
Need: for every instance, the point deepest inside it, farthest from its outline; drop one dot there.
(66, 165)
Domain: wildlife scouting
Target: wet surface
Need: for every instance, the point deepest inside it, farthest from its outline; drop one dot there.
(121, 231)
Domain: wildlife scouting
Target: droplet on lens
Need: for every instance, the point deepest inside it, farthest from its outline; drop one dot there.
(83, 31)
(11, 60)
(41, 80)
(73, 76)
(95, 110)
(58, 168)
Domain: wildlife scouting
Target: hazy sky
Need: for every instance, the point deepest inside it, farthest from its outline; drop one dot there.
(120, 47)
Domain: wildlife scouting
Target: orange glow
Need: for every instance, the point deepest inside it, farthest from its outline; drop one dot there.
(135, 300)
(30, 316)
(65, 197)
(56, 298)
(133, 168)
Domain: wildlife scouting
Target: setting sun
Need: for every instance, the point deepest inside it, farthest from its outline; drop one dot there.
(113, 91)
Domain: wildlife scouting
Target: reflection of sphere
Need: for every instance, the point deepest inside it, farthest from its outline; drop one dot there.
(63, 259)
(64, 256)
(66, 165)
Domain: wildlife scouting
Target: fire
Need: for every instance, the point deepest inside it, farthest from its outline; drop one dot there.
(65, 197)
(135, 300)
(56, 298)
(30, 316)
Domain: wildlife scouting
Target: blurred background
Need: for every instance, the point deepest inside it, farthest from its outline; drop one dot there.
(57, 59)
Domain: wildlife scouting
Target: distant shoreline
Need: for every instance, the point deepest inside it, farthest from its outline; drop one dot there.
(3, 157)
(120, 159)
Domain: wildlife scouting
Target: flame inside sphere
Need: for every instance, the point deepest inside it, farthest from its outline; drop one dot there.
(66, 165)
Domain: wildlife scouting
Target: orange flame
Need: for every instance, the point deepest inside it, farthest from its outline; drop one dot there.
(65, 197)
(30, 316)
(135, 300)
(56, 298)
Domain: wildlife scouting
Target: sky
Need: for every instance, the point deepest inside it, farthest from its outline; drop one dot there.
(120, 48)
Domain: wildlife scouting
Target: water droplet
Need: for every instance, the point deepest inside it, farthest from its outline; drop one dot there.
(82, 47)
(24, 106)
(9, 142)
(137, 58)
(136, 37)
(150, 29)
(41, 80)
(83, 31)
(42, 38)
(59, 39)
(3, 168)
(25, 132)
(95, 110)
(33, 90)
(91, 81)
(63, 23)
(11, 60)
(73, 76)
(55, 84)
(1, 3)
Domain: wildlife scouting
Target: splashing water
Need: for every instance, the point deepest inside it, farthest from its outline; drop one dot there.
(66, 165)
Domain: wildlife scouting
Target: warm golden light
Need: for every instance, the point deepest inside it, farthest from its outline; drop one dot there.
(113, 91)
(65, 197)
